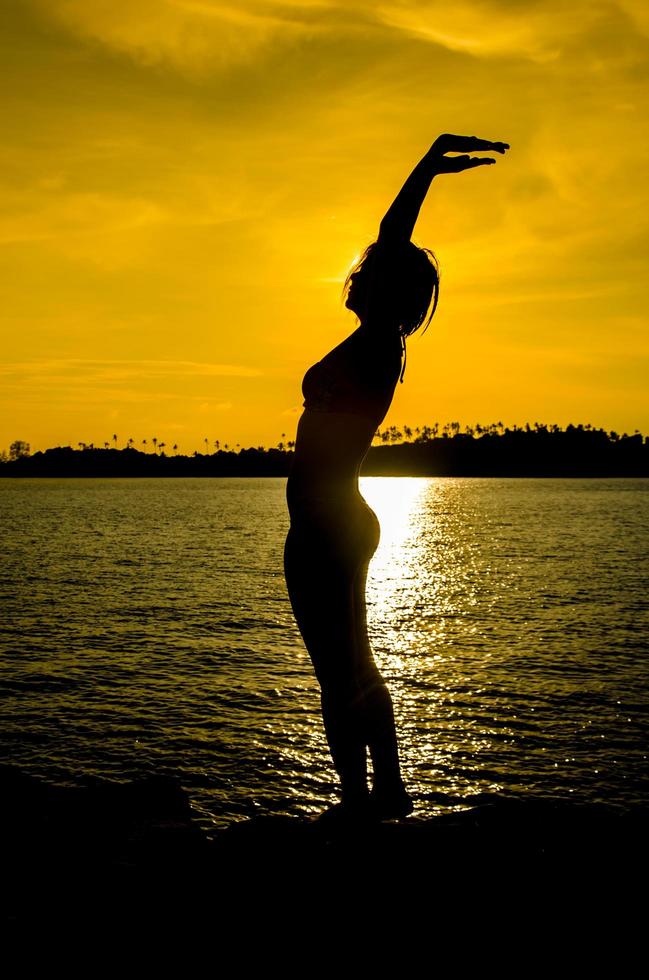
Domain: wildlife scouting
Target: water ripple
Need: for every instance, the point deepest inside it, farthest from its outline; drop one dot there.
(147, 630)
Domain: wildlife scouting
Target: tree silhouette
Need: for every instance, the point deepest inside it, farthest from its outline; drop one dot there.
(18, 448)
(529, 449)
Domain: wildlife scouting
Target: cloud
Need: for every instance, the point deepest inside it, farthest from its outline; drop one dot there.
(82, 371)
(201, 36)
(34, 217)
(638, 12)
(195, 36)
(490, 28)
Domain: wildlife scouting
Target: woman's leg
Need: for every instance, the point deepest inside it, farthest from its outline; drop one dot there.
(321, 593)
(377, 704)
(378, 712)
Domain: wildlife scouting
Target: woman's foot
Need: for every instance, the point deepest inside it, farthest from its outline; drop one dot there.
(348, 814)
(391, 804)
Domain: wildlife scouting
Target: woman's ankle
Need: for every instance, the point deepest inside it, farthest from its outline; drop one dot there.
(389, 787)
(389, 802)
(355, 798)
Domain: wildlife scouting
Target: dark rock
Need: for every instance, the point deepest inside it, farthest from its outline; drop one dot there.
(131, 852)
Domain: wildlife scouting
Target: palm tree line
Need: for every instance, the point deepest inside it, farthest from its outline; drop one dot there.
(391, 435)
(159, 445)
(451, 430)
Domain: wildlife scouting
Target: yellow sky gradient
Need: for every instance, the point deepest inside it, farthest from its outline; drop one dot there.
(185, 183)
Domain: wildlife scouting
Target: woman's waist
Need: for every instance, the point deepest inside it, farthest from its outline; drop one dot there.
(323, 498)
(342, 524)
(325, 478)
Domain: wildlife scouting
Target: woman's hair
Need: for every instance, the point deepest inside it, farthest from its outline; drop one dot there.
(409, 282)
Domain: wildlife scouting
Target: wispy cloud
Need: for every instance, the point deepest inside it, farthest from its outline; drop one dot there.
(97, 371)
(204, 36)
(493, 28)
(195, 36)
(63, 214)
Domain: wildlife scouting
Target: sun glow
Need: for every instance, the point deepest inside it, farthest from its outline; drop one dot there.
(396, 501)
(192, 188)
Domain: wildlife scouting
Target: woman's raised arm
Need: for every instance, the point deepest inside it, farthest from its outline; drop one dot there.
(399, 222)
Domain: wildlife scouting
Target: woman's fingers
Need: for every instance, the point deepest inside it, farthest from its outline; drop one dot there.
(464, 145)
(455, 165)
(487, 145)
(479, 161)
(450, 143)
(472, 143)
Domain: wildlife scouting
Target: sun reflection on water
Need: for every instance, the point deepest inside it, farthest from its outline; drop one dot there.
(422, 581)
(399, 569)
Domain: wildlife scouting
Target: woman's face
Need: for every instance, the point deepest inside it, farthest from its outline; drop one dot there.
(357, 289)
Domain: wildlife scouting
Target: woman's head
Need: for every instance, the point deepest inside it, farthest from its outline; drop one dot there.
(403, 285)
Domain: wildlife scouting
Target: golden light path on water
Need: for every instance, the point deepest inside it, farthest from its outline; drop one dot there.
(151, 633)
(424, 579)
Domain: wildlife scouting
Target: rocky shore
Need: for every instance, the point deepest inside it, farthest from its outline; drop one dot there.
(125, 853)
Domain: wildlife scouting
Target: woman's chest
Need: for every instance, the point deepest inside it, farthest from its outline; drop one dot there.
(354, 378)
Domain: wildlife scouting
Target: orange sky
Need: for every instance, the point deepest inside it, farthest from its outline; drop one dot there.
(185, 183)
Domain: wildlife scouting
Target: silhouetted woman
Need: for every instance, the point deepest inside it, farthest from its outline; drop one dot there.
(333, 532)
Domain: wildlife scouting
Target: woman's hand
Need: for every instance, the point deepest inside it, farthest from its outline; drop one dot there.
(447, 143)
(399, 221)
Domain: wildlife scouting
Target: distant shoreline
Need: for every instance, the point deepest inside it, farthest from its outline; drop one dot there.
(576, 451)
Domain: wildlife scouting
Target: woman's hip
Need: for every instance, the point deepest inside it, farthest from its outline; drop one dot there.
(347, 535)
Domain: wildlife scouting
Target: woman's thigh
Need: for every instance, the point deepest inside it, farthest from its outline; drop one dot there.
(321, 589)
(326, 585)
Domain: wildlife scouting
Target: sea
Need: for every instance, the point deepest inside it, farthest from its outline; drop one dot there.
(146, 629)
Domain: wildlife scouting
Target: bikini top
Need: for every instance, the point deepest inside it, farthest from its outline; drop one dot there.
(354, 388)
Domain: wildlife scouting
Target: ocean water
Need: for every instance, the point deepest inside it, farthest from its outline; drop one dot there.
(146, 629)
